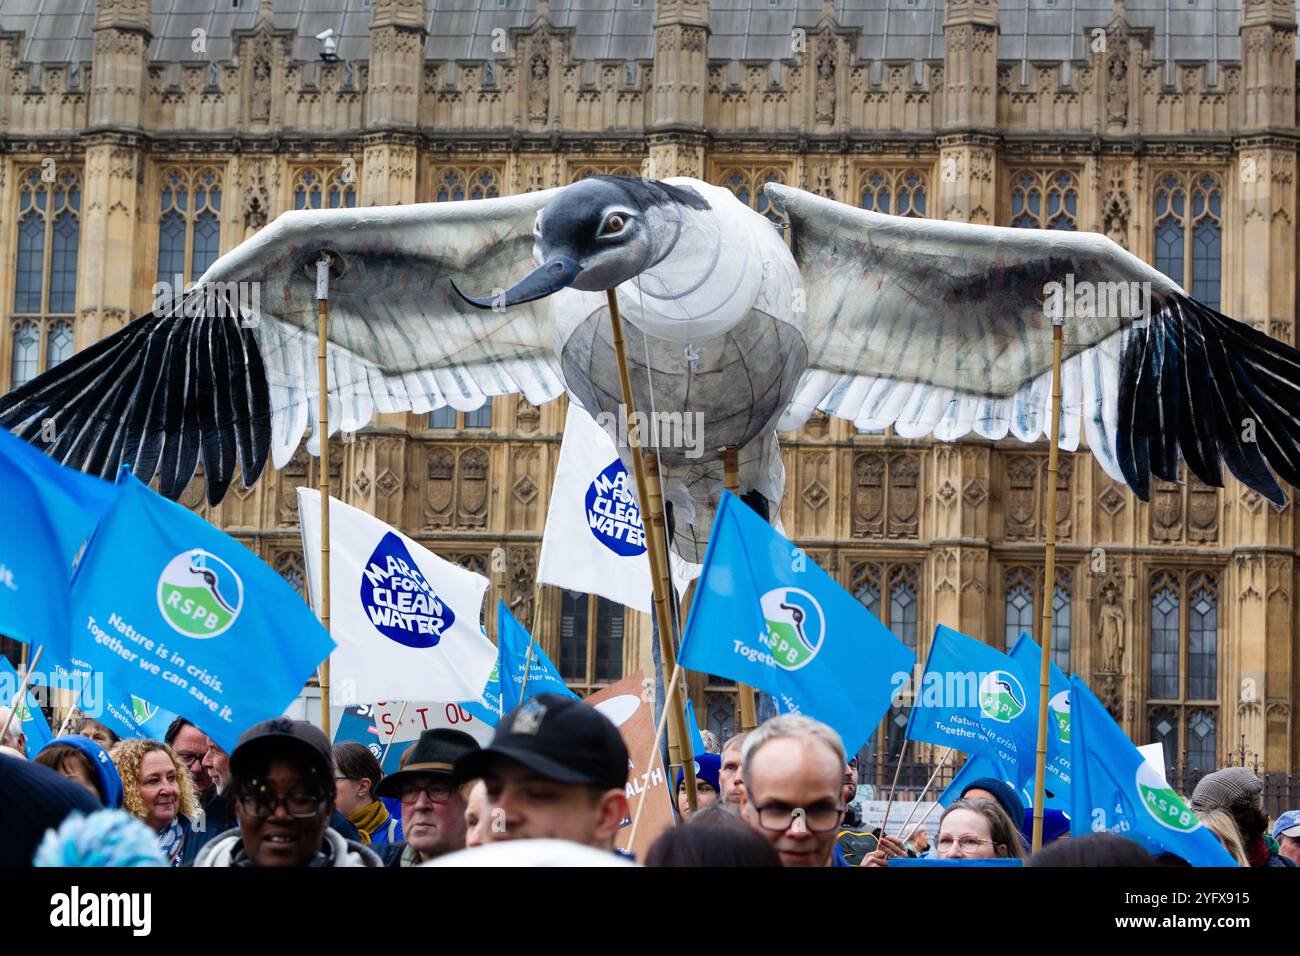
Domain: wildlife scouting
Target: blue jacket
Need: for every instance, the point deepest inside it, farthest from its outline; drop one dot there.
(108, 781)
(194, 841)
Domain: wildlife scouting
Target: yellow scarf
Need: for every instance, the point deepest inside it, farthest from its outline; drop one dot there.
(369, 819)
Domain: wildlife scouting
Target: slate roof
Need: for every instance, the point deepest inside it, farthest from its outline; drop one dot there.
(1044, 30)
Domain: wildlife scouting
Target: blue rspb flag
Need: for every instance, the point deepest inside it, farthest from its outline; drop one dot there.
(47, 511)
(1116, 790)
(693, 728)
(184, 616)
(1056, 784)
(72, 502)
(975, 767)
(512, 654)
(35, 728)
(120, 711)
(130, 716)
(488, 707)
(767, 616)
(973, 698)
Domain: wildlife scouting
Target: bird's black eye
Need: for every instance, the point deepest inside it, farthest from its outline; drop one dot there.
(614, 223)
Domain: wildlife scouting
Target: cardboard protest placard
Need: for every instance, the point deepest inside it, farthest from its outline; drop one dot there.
(408, 724)
(624, 704)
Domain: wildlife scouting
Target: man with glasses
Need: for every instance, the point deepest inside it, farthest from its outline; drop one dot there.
(433, 806)
(793, 768)
(191, 746)
(281, 787)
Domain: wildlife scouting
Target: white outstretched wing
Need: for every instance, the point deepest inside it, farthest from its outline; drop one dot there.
(933, 326)
(232, 369)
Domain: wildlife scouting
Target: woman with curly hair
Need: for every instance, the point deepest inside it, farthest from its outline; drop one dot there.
(158, 791)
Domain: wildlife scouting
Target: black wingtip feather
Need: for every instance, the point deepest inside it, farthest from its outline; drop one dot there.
(155, 396)
(1196, 382)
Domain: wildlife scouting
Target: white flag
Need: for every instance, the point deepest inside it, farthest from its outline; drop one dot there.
(406, 621)
(594, 540)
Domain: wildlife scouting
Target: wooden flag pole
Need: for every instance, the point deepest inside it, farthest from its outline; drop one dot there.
(20, 695)
(650, 499)
(890, 801)
(948, 752)
(322, 372)
(393, 736)
(731, 480)
(654, 749)
(904, 837)
(63, 728)
(532, 637)
(1049, 583)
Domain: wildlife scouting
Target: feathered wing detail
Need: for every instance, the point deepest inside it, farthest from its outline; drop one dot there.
(939, 327)
(230, 371)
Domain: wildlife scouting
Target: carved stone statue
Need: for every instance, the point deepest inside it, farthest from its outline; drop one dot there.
(260, 99)
(825, 101)
(539, 92)
(1117, 90)
(1110, 631)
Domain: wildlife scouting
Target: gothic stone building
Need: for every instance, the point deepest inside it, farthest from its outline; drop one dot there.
(139, 141)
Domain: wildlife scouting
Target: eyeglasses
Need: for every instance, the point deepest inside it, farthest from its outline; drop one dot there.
(188, 758)
(968, 844)
(298, 804)
(779, 818)
(437, 792)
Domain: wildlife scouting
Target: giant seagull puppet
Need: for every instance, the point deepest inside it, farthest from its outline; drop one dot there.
(928, 326)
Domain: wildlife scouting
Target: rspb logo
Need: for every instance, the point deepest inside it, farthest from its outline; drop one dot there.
(199, 595)
(795, 626)
(1001, 696)
(7, 578)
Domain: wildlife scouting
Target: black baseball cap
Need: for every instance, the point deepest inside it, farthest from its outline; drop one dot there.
(281, 734)
(559, 738)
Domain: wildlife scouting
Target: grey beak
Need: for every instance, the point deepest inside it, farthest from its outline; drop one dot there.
(551, 276)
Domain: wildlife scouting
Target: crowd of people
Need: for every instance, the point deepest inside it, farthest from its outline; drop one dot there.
(555, 771)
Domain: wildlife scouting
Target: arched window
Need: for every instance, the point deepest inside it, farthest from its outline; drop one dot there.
(317, 187)
(614, 169)
(900, 192)
(901, 614)
(1019, 605)
(1021, 610)
(454, 183)
(26, 354)
(1189, 232)
(1061, 622)
(747, 183)
(58, 345)
(189, 224)
(448, 418)
(591, 641)
(45, 274)
(1044, 200)
(1184, 667)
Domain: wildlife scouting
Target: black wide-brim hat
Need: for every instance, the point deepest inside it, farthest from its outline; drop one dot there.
(433, 755)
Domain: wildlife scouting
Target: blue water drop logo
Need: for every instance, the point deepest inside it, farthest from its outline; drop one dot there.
(612, 512)
(400, 602)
